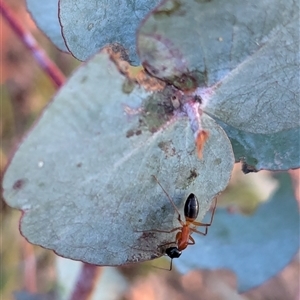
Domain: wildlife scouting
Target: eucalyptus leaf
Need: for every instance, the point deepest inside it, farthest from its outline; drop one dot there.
(83, 176)
(262, 96)
(45, 15)
(276, 152)
(255, 247)
(247, 53)
(88, 26)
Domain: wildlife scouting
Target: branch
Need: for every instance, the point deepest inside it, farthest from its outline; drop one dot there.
(86, 282)
(29, 41)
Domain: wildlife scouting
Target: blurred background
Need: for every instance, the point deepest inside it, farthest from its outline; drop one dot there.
(28, 269)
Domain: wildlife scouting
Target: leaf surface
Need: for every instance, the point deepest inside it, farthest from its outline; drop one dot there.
(83, 176)
(275, 152)
(88, 26)
(245, 57)
(45, 14)
(262, 95)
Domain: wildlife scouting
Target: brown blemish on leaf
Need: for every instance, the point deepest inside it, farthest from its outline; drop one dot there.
(131, 132)
(134, 74)
(186, 82)
(19, 184)
(147, 235)
(149, 83)
(167, 147)
(41, 184)
(156, 110)
(217, 161)
(83, 79)
(190, 80)
(117, 52)
(193, 174)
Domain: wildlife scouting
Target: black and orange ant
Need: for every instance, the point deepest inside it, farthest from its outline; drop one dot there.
(183, 236)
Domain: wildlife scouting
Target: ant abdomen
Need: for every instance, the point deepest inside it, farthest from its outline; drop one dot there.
(191, 208)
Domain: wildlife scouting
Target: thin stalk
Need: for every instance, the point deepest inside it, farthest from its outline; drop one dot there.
(29, 41)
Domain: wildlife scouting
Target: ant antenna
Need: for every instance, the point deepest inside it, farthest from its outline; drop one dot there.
(172, 202)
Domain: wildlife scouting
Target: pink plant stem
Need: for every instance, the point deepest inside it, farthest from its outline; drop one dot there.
(29, 41)
(30, 283)
(86, 282)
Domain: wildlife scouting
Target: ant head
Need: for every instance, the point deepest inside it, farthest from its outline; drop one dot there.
(173, 252)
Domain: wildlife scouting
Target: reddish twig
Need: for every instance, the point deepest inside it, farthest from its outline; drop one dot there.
(29, 41)
(29, 267)
(86, 282)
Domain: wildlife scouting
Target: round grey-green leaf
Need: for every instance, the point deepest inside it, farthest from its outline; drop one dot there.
(83, 175)
(45, 14)
(262, 95)
(88, 26)
(244, 55)
(277, 152)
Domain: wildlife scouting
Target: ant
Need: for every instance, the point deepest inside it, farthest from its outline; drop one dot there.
(183, 236)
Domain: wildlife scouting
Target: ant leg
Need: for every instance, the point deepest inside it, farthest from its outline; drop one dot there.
(178, 236)
(171, 265)
(170, 269)
(169, 243)
(172, 202)
(211, 217)
(192, 241)
(158, 230)
(200, 232)
(204, 224)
